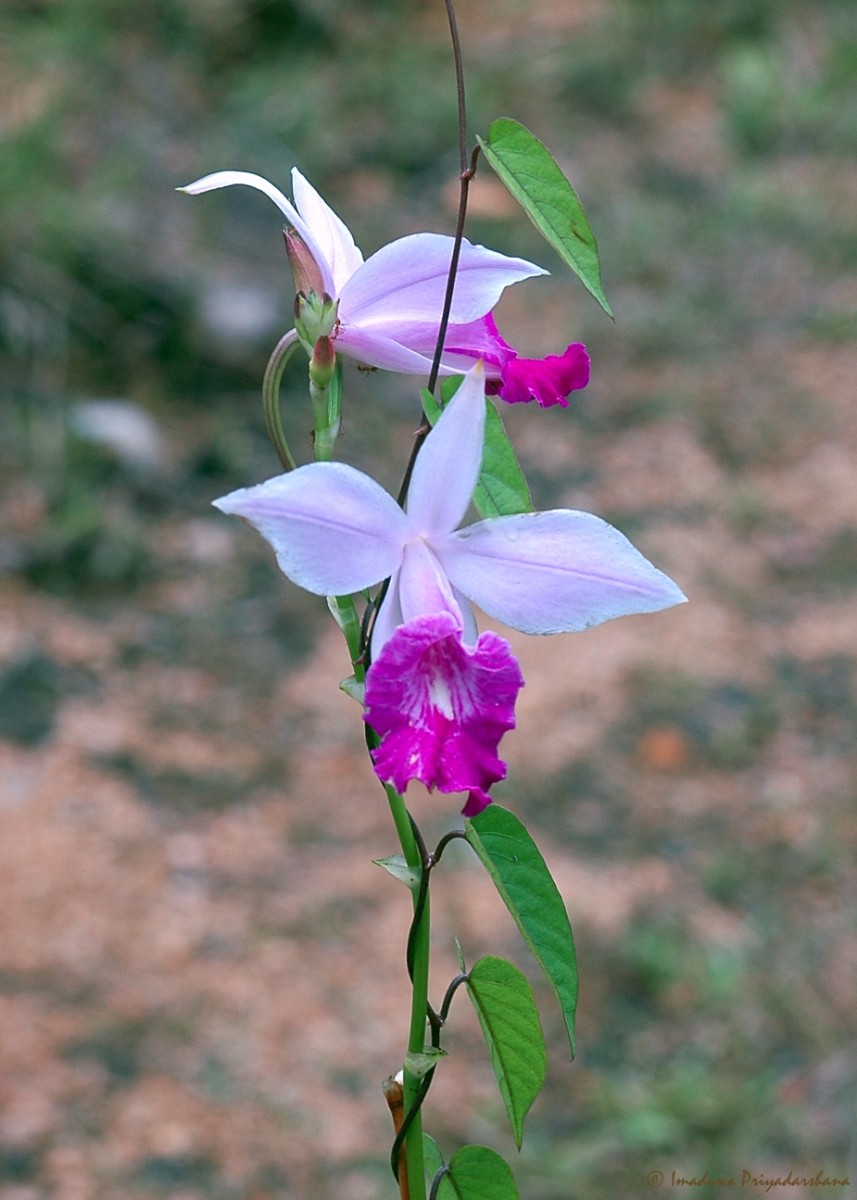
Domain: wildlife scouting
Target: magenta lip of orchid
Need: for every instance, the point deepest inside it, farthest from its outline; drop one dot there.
(388, 305)
(438, 694)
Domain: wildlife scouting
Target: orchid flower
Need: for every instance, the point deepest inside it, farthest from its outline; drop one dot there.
(385, 310)
(438, 694)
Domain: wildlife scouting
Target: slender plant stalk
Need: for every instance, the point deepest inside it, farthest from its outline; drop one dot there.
(271, 398)
(419, 997)
(416, 1045)
(466, 174)
(419, 941)
(326, 399)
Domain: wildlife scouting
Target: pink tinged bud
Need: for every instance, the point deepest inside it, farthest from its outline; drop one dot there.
(548, 381)
(441, 707)
(305, 270)
(322, 362)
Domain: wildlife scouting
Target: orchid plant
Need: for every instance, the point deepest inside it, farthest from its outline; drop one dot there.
(402, 577)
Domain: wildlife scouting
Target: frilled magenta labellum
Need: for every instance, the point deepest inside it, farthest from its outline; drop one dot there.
(390, 305)
(440, 695)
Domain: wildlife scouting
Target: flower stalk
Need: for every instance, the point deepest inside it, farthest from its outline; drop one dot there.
(277, 364)
(325, 392)
(418, 967)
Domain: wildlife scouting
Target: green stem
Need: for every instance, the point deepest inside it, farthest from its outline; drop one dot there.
(419, 994)
(271, 397)
(326, 402)
(404, 829)
(416, 1045)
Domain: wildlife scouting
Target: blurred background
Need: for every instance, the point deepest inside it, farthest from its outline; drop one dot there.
(201, 972)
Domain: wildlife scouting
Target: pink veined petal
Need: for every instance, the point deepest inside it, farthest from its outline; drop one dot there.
(332, 234)
(399, 352)
(548, 381)
(406, 280)
(422, 586)
(553, 572)
(440, 708)
(389, 617)
(221, 179)
(464, 344)
(448, 465)
(469, 632)
(333, 529)
(480, 339)
(380, 350)
(476, 339)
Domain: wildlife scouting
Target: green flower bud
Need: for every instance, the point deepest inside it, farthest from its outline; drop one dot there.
(315, 317)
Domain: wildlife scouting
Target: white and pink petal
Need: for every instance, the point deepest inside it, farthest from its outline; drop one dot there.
(332, 235)
(221, 179)
(333, 529)
(379, 349)
(553, 572)
(406, 281)
(447, 468)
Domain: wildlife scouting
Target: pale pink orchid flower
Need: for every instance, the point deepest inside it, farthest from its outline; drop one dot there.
(438, 694)
(389, 306)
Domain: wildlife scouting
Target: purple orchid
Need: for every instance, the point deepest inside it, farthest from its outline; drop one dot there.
(439, 695)
(387, 307)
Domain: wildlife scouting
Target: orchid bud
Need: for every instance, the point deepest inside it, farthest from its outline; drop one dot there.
(305, 270)
(322, 362)
(315, 317)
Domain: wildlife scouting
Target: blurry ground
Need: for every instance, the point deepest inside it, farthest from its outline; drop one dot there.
(201, 976)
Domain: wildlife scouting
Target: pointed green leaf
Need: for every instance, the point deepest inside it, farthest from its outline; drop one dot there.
(526, 886)
(397, 866)
(502, 489)
(477, 1173)
(532, 175)
(432, 1157)
(507, 1012)
(355, 688)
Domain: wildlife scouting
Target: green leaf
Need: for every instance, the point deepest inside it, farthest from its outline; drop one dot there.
(507, 1012)
(355, 688)
(432, 1157)
(531, 174)
(397, 866)
(477, 1173)
(526, 886)
(501, 489)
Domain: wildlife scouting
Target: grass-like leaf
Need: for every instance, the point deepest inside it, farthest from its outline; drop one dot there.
(477, 1173)
(507, 1012)
(532, 175)
(526, 886)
